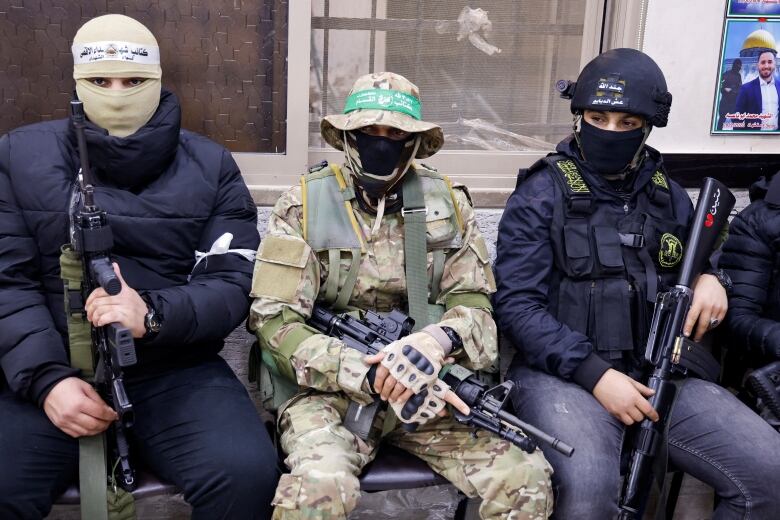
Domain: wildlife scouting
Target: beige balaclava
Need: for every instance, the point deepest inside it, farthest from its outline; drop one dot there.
(117, 46)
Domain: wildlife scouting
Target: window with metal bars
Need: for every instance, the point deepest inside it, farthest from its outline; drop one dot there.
(486, 70)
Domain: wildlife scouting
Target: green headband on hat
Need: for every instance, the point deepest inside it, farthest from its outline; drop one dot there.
(384, 99)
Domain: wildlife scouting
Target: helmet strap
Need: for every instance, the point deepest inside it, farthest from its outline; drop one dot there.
(576, 123)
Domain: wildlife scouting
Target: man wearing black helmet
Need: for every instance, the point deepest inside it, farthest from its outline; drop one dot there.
(590, 235)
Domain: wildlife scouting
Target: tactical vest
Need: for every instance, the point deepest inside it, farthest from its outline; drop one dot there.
(330, 227)
(611, 267)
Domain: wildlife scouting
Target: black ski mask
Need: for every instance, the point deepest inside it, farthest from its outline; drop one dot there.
(378, 155)
(609, 152)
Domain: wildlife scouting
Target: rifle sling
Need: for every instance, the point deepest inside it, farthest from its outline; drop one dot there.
(415, 250)
(93, 477)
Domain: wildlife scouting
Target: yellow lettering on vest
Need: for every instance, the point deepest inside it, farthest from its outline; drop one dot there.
(659, 179)
(572, 175)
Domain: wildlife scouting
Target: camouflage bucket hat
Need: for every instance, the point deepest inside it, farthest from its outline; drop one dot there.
(383, 98)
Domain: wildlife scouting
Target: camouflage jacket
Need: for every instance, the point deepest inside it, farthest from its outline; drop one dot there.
(287, 283)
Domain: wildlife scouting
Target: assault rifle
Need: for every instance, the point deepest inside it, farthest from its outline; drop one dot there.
(487, 405)
(764, 383)
(112, 345)
(668, 350)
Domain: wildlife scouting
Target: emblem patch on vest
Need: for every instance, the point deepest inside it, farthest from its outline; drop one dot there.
(660, 180)
(572, 175)
(671, 250)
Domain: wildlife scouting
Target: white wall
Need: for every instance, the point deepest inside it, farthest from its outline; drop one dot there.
(684, 38)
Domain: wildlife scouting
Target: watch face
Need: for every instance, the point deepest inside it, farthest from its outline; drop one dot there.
(724, 279)
(154, 324)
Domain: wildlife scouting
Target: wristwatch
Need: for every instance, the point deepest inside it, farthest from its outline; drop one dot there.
(152, 320)
(724, 279)
(454, 338)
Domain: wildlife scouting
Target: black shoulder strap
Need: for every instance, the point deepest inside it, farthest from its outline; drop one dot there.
(525, 173)
(658, 188)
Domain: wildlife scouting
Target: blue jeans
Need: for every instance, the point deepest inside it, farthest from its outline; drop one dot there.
(712, 436)
(195, 426)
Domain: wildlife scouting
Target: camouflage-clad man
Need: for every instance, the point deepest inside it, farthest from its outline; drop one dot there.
(338, 238)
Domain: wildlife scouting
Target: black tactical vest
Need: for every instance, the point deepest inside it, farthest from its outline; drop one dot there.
(610, 266)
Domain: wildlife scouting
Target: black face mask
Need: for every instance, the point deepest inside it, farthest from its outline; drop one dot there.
(378, 155)
(607, 151)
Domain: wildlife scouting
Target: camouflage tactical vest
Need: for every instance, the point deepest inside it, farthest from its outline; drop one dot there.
(331, 228)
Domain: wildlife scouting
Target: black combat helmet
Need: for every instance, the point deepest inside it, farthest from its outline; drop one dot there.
(621, 80)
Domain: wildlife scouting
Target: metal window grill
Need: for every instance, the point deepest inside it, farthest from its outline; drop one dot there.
(485, 69)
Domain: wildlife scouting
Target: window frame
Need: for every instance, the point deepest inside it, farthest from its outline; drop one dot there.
(490, 174)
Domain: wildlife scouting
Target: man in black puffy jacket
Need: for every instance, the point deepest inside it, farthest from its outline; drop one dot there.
(752, 259)
(169, 193)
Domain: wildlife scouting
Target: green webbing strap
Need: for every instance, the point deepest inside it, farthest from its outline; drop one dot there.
(391, 420)
(289, 344)
(278, 389)
(472, 300)
(79, 331)
(349, 284)
(415, 250)
(93, 477)
(332, 283)
(93, 473)
(438, 271)
(121, 505)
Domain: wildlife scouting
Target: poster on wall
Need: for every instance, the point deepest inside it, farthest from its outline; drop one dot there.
(747, 98)
(753, 8)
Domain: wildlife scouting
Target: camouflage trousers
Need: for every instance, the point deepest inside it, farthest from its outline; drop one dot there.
(325, 460)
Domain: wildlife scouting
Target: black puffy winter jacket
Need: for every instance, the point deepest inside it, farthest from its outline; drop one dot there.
(168, 193)
(751, 256)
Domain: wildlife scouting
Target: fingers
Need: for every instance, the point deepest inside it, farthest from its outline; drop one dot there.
(457, 402)
(99, 411)
(693, 316)
(94, 296)
(644, 390)
(379, 377)
(636, 415)
(396, 392)
(91, 425)
(373, 359)
(118, 273)
(647, 410)
(702, 325)
(390, 383)
(400, 394)
(106, 315)
(94, 406)
(101, 304)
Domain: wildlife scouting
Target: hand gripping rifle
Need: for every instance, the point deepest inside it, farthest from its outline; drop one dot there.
(668, 350)
(488, 405)
(112, 345)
